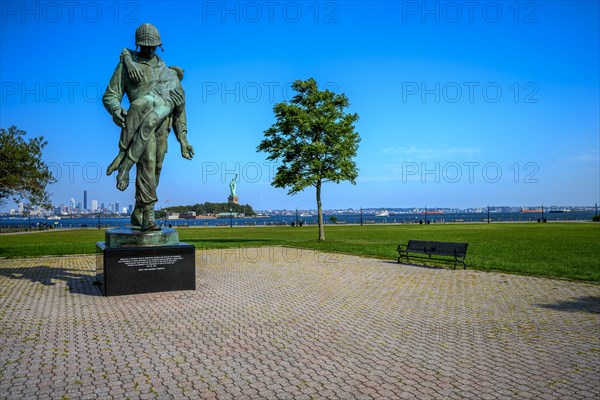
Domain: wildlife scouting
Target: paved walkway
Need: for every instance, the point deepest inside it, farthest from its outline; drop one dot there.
(286, 323)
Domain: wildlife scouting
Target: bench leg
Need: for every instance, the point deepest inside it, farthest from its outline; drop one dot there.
(403, 255)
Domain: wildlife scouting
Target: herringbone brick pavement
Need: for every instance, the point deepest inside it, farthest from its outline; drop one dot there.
(282, 323)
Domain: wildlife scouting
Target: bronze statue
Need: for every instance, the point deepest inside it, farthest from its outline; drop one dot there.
(157, 103)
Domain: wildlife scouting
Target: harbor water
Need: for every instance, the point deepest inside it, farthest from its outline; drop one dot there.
(20, 223)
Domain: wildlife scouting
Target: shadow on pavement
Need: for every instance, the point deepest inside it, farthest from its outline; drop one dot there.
(590, 304)
(76, 282)
(418, 265)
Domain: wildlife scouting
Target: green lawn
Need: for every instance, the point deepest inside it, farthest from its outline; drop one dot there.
(569, 250)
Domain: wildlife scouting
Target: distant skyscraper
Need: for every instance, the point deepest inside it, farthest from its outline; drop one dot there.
(85, 200)
(130, 208)
(102, 206)
(94, 205)
(117, 209)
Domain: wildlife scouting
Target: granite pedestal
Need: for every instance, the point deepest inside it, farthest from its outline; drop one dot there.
(132, 262)
(233, 200)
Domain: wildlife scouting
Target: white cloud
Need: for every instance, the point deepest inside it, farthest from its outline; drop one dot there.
(429, 152)
(587, 156)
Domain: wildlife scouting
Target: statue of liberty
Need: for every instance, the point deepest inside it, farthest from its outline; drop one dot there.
(232, 186)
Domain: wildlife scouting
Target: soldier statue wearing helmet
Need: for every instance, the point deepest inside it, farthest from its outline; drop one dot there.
(157, 104)
(147, 35)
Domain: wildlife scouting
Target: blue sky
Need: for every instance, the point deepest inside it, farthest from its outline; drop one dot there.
(461, 104)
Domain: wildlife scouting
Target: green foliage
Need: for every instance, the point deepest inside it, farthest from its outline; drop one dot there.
(214, 208)
(596, 218)
(23, 174)
(314, 141)
(312, 138)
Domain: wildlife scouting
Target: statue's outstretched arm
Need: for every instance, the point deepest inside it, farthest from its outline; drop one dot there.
(114, 94)
(180, 128)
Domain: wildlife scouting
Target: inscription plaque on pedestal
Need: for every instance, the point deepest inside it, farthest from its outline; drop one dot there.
(147, 269)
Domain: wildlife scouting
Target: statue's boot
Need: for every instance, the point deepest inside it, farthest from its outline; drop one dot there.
(148, 222)
(136, 215)
(116, 162)
(123, 175)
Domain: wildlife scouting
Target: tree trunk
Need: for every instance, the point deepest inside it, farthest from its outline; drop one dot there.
(320, 213)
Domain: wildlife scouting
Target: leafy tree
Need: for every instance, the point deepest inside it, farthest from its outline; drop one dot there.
(213, 208)
(23, 173)
(314, 141)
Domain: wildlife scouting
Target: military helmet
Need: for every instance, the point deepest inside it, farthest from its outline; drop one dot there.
(147, 35)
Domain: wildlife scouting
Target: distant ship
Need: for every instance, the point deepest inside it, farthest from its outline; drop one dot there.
(529, 210)
(383, 213)
(53, 217)
(432, 212)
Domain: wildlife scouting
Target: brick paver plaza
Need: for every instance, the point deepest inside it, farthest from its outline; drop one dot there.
(287, 323)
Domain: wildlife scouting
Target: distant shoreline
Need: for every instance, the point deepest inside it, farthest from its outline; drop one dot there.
(43, 225)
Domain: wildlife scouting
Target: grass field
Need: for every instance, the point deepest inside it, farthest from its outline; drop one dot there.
(567, 250)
